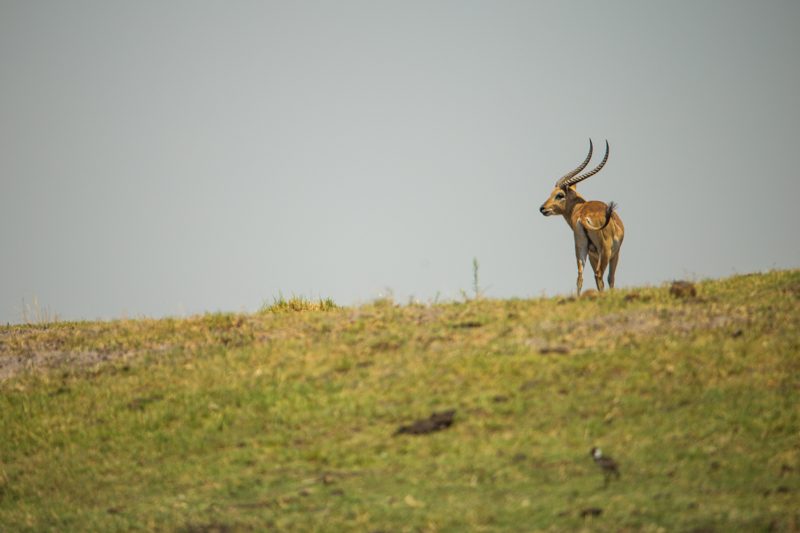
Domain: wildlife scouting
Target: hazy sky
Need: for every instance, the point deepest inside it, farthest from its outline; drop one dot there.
(169, 158)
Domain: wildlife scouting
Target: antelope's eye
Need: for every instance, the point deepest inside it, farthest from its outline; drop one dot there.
(559, 196)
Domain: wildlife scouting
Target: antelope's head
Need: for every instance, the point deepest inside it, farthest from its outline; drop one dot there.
(564, 193)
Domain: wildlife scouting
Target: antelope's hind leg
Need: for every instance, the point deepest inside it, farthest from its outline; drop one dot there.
(612, 269)
(604, 248)
(598, 272)
(594, 259)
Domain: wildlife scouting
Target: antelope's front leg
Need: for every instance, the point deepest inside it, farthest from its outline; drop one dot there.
(581, 250)
(594, 258)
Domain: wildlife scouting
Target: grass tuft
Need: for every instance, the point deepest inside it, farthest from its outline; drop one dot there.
(297, 304)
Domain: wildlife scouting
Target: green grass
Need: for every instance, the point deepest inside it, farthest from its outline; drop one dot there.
(298, 303)
(285, 420)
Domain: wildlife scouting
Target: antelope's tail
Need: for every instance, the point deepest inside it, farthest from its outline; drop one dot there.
(609, 211)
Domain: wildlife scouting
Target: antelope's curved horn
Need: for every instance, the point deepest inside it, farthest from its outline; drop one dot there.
(578, 179)
(568, 175)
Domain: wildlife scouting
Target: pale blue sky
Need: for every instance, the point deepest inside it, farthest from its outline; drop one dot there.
(169, 158)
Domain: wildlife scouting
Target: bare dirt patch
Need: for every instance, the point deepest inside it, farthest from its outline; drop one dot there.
(14, 364)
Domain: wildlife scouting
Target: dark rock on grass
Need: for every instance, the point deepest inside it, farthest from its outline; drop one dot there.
(138, 404)
(61, 390)
(213, 527)
(783, 489)
(469, 324)
(547, 350)
(435, 422)
(591, 511)
(683, 289)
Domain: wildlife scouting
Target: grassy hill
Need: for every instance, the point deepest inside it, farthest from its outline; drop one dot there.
(287, 418)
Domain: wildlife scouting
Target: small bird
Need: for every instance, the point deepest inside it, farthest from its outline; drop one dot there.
(607, 464)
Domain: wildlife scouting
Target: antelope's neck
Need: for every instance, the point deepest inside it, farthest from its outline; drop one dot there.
(572, 205)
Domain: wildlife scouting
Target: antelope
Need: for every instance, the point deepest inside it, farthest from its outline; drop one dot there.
(597, 228)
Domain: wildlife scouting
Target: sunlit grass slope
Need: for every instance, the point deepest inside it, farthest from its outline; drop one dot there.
(285, 419)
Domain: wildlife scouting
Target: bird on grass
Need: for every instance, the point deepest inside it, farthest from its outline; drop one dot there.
(608, 465)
